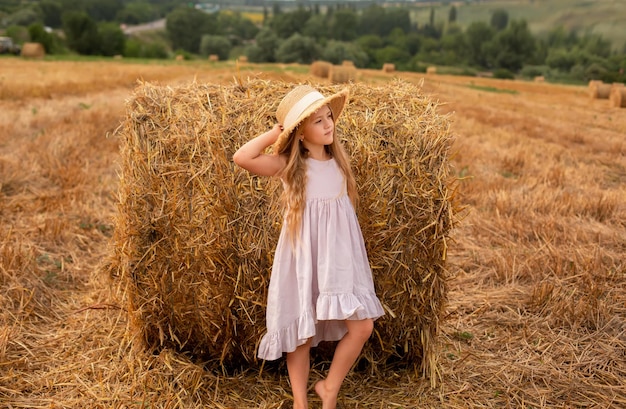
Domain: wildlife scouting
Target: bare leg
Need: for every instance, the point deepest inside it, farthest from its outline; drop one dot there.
(298, 366)
(346, 353)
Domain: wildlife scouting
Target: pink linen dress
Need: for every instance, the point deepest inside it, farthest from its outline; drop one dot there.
(326, 278)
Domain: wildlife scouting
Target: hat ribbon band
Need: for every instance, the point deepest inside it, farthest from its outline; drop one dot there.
(297, 110)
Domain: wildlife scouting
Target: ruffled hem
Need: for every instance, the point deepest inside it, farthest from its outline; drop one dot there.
(332, 310)
(346, 306)
(287, 339)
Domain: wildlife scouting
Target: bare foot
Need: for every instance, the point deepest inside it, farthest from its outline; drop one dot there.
(329, 399)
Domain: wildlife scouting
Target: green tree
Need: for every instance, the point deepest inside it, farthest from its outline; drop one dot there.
(287, 24)
(23, 17)
(477, 35)
(264, 49)
(38, 34)
(298, 49)
(559, 37)
(51, 13)
(215, 44)
(338, 51)
(236, 26)
(596, 45)
(186, 26)
(104, 10)
(112, 39)
(392, 54)
(343, 25)
(499, 19)
(81, 33)
(370, 43)
(316, 27)
(455, 43)
(382, 21)
(512, 47)
(137, 12)
(452, 14)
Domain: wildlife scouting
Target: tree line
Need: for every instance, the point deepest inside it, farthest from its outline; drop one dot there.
(369, 37)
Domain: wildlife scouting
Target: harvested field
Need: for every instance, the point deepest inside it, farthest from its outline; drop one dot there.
(536, 315)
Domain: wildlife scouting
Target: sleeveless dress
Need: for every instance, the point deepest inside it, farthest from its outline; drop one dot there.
(326, 278)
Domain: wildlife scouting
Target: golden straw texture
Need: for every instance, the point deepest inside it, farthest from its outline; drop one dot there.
(195, 235)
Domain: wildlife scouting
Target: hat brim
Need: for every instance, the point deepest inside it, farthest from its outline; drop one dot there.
(336, 102)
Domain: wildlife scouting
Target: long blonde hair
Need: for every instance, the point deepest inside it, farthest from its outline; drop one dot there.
(294, 177)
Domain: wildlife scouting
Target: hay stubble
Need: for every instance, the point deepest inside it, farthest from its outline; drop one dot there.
(536, 316)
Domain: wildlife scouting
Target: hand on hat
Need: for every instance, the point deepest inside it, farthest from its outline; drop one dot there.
(274, 132)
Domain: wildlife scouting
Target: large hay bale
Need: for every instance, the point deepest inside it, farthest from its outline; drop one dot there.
(431, 70)
(214, 58)
(320, 68)
(618, 96)
(599, 90)
(389, 67)
(33, 50)
(195, 235)
(342, 74)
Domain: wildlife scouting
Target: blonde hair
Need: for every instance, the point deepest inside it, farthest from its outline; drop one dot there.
(294, 177)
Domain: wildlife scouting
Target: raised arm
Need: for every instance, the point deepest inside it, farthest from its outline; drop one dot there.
(250, 155)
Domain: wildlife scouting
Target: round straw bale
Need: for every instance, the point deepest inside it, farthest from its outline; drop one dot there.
(214, 57)
(431, 70)
(195, 235)
(348, 63)
(33, 50)
(539, 78)
(320, 68)
(243, 59)
(389, 67)
(340, 74)
(618, 96)
(180, 57)
(599, 90)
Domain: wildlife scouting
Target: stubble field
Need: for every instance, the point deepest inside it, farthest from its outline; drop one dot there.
(536, 316)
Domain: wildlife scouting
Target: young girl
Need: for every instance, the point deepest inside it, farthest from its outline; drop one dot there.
(321, 286)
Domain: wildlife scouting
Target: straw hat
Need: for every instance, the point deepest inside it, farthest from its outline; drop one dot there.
(301, 102)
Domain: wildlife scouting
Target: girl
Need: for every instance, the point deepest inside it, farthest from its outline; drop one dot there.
(321, 286)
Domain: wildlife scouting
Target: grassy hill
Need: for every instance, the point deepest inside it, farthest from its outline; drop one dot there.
(603, 17)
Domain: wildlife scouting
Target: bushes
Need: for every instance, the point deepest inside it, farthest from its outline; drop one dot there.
(298, 49)
(503, 73)
(138, 49)
(212, 44)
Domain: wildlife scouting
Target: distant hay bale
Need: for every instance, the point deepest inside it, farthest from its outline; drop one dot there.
(118, 57)
(389, 67)
(195, 235)
(33, 50)
(180, 57)
(320, 68)
(599, 90)
(539, 78)
(347, 63)
(214, 58)
(243, 59)
(340, 74)
(431, 70)
(618, 96)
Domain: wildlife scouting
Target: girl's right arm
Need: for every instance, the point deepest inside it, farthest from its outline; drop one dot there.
(250, 155)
